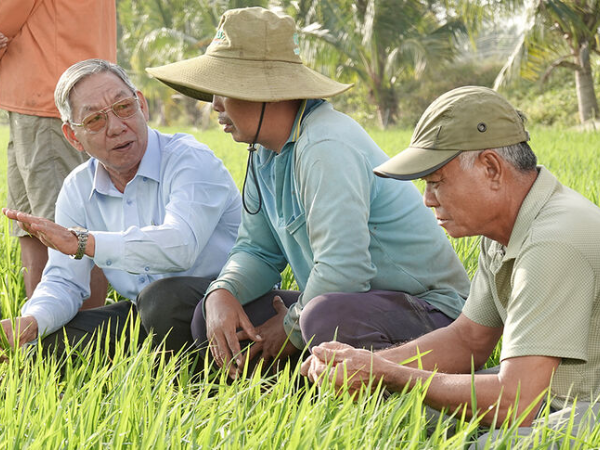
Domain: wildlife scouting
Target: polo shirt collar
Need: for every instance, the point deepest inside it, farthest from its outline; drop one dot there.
(539, 194)
(149, 168)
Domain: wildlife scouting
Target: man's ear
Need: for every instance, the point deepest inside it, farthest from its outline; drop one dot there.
(493, 166)
(143, 105)
(70, 135)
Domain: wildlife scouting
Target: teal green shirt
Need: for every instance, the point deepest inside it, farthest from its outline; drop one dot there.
(338, 226)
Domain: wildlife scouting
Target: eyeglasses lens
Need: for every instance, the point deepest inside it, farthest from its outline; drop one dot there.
(122, 109)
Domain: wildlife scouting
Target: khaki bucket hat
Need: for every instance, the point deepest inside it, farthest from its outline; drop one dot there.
(255, 57)
(463, 119)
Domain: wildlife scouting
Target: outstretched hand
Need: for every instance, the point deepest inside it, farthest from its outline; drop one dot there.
(49, 233)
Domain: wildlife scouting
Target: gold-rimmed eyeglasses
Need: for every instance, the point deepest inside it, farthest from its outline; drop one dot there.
(96, 121)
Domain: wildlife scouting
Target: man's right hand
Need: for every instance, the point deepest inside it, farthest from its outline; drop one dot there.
(224, 317)
(25, 330)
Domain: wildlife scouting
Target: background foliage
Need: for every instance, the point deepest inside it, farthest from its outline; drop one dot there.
(401, 54)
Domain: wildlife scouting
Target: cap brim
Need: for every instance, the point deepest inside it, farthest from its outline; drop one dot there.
(258, 81)
(414, 163)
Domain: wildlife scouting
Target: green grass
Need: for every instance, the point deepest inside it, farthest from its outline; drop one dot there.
(138, 399)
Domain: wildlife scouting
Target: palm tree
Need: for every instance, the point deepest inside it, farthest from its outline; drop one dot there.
(377, 42)
(156, 32)
(560, 33)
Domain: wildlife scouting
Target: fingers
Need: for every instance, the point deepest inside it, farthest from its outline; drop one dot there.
(279, 306)
(332, 351)
(18, 215)
(248, 330)
(233, 349)
(254, 350)
(219, 349)
(305, 367)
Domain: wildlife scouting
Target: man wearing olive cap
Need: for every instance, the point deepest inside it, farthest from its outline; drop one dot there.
(538, 281)
(371, 264)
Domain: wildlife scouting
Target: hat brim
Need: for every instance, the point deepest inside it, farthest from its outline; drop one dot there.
(414, 163)
(256, 81)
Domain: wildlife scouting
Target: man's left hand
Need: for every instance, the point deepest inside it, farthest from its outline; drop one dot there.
(274, 337)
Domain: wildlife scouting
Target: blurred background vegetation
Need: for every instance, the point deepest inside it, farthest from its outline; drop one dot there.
(401, 54)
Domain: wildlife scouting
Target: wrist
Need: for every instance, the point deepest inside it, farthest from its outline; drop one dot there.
(82, 236)
(90, 249)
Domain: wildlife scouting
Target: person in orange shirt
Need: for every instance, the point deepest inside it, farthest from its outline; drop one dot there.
(39, 40)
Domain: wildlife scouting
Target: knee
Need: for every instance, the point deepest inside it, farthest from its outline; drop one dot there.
(153, 300)
(198, 326)
(320, 320)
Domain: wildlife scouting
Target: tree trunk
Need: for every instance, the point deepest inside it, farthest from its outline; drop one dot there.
(387, 107)
(584, 82)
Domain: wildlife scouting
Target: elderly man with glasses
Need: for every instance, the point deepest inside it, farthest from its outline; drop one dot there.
(145, 206)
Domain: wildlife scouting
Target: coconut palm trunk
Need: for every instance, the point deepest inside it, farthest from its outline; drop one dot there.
(584, 82)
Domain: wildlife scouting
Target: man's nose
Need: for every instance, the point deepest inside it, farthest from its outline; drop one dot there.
(114, 124)
(429, 198)
(217, 103)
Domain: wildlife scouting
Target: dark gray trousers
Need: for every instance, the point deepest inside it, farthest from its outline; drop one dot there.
(165, 312)
(374, 319)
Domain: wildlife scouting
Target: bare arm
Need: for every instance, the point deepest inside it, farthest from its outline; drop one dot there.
(451, 349)
(524, 378)
(13, 15)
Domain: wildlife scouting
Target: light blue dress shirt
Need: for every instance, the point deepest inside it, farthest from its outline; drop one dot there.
(340, 227)
(178, 216)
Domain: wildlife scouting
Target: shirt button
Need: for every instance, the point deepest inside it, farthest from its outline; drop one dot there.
(129, 202)
(108, 263)
(142, 279)
(145, 178)
(146, 268)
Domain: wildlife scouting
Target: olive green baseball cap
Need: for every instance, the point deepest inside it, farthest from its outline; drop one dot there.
(464, 119)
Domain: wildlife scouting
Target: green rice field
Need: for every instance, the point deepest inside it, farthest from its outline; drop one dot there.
(139, 399)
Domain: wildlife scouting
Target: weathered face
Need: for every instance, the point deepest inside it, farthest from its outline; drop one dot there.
(460, 198)
(121, 143)
(238, 117)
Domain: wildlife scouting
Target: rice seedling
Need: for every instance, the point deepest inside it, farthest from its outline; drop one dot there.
(141, 398)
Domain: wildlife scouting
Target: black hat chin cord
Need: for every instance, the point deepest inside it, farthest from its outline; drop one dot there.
(251, 166)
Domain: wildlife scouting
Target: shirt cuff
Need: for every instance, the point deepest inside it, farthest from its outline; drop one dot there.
(110, 249)
(292, 329)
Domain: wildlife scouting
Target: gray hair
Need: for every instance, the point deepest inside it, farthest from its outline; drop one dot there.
(520, 156)
(78, 72)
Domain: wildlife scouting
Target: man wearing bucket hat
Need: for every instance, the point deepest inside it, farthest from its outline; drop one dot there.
(365, 252)
(538, 281)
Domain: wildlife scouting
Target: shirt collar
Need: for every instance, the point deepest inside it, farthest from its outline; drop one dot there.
(149, 168)
(305, 108)
(539, 194)
(264, 155)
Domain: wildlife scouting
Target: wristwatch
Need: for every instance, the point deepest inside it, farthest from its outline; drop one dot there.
(82, 236)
